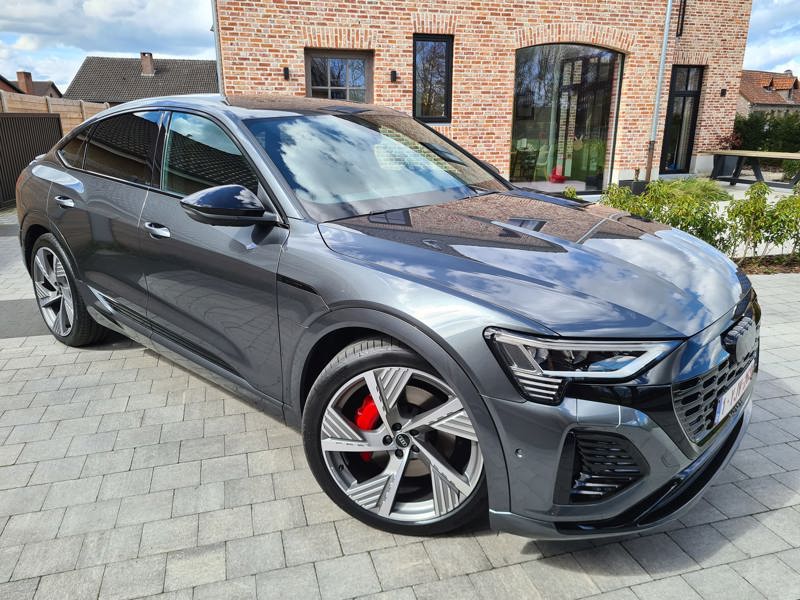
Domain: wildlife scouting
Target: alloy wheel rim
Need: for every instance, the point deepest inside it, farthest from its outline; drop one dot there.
(53, 292)
(423, 455)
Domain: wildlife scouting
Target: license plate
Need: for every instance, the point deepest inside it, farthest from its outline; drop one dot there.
(730, 398)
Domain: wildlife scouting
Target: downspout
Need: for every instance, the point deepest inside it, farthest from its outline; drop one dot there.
(651, 145)
(218, 47)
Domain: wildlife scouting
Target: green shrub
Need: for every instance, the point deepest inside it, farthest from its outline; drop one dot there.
(786, 221)
(570, 193)
(752, 130)
(622, 198)
(783, 133)
(691, 205)
(752, 220)
(790, 168)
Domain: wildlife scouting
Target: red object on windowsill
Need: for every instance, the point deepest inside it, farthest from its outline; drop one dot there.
(367, 418)
(556, 176)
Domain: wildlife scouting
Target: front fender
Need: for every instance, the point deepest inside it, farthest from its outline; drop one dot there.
(448, 367)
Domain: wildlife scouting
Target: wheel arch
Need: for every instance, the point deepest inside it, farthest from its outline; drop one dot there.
(338, 328)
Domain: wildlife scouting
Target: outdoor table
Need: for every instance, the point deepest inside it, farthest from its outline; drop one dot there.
(753, 157)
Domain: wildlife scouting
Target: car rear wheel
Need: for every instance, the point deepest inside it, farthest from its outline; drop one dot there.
(391, 443)
(60, 305)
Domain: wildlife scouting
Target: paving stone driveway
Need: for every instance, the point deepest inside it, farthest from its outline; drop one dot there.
(123, 476)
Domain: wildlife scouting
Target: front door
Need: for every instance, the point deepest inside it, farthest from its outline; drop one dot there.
(212, 289)
(682, 109)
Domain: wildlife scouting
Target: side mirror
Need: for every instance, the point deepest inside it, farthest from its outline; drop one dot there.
(231, 205)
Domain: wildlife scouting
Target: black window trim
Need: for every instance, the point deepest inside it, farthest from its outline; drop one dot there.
(159, 153)
(90, 127)
(673, 94)
(369, 61)
(87, 129)
(448, 99)
(161, 149)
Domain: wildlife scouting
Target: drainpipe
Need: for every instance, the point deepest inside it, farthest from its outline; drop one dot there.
(651, 146)
(218, 48)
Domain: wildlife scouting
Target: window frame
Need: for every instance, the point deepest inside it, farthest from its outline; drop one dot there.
(90, 129)
(448, 98)
(266, 195)
(369, 60)
(80, 130)
(672, 96)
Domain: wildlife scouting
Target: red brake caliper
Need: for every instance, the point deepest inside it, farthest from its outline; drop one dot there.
(367, 418)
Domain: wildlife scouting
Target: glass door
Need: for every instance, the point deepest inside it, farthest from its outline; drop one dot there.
(563, 111)
(682, 109)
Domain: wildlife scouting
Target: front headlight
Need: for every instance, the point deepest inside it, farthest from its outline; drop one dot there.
(541, 367)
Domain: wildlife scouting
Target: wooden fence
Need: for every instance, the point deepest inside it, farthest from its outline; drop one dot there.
(71, 112)
(31, 125)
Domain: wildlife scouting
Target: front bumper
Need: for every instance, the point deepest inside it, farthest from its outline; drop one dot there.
(673, 485)
(663, 424)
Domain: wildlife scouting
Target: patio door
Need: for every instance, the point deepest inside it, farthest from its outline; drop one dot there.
(682, 109)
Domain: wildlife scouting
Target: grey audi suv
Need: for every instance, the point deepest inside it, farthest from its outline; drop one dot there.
(451, 346)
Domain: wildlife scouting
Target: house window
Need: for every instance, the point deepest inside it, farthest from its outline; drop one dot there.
(682, 109)
(565, 101)
(433, 77)
(339, 75)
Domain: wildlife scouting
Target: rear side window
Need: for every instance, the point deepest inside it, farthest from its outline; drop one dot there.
(122, 146)
(72, 152)
(200, 155)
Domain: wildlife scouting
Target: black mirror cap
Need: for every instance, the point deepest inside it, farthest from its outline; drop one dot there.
(232, 205)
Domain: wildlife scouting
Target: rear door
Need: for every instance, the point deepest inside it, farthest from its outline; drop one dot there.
(212, 288)
(97, 207)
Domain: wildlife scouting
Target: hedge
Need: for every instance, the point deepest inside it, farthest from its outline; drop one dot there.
(750, 226)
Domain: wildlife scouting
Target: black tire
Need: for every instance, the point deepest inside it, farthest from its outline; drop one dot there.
(359, 357)
(84, 330)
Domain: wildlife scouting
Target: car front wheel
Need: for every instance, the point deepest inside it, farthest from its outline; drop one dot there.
(391, 443)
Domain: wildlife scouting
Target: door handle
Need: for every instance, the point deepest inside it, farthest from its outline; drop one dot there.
(156, 230)
(65, 201)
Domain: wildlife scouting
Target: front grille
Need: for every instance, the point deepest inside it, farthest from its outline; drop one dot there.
(695, 399)
(596, 465)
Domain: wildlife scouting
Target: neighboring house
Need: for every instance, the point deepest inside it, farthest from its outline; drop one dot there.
(763, 91)
(9, 86)
(26, 85)
(552, 93)
(117, 80)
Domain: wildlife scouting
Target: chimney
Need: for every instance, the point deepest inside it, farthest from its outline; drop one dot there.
(148, 68)
(25, 82)
(788, 72)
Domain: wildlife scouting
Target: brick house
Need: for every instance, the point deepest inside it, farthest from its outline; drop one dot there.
(552, 93)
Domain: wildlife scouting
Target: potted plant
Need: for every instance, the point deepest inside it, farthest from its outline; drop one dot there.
(636, 186)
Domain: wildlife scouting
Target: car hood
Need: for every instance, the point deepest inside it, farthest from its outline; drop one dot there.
(576, 268)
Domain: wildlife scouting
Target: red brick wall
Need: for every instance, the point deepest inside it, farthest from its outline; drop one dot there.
(260, 37)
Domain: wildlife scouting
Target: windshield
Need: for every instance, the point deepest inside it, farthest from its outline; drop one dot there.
(341, 166)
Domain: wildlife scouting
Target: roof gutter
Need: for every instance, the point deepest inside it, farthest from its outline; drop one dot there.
(651, 145)
(218, 47)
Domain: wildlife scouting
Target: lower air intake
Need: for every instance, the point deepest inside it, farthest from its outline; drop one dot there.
(595, 466)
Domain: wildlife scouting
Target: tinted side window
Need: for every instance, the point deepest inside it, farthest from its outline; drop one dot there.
(200, 155)
(122, 146)
(72, 152)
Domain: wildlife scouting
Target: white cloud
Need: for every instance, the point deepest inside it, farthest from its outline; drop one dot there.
(51, 38)
(773, 43)
(28, 42)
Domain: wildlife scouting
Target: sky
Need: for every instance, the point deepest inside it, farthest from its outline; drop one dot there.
(51, 38)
